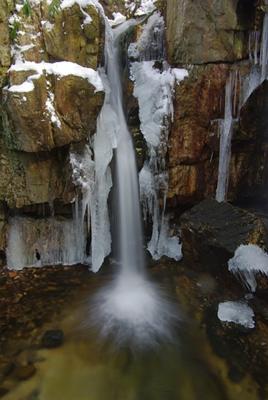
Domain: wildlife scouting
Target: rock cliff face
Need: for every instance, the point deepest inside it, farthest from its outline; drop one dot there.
(47, 111)
(208, 31)
(44, 110)
(213, 37)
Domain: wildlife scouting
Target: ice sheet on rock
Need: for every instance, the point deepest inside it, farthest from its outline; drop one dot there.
(248, 262)
(55, 240)
(154, 91)
(166, 245)
(237, 312)
(151, 43)
(61, 69)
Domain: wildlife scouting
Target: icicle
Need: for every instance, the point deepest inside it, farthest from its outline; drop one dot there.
(154, 90)
(226, 132)
(264, 50)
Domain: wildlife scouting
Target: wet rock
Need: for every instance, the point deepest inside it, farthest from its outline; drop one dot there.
(24, 372)
(212, 231)
(52, 338)
(193, 151)
(251, 146)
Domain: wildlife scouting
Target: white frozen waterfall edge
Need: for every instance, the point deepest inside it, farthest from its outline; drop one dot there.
(154, 90)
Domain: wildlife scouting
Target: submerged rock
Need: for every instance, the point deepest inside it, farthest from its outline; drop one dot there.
(52, 338)
(212, 231)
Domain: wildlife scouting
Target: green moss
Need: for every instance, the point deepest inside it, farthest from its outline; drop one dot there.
(14, 30)
(27, 9)
(54, 7)
(7, 133)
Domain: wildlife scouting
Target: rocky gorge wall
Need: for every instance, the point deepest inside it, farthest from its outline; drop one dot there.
(212, 37)
(40, 127)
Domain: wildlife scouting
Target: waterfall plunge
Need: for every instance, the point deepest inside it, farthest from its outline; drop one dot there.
(131, 308)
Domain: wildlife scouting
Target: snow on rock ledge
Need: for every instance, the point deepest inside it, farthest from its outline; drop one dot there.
(60, 69)
(60, 101)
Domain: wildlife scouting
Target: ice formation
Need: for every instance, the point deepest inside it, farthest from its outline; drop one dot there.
(258, 73)
(153, 87)
(226, 133)
(56, 240)
(248, 262)
(145, 7)
(237, 312)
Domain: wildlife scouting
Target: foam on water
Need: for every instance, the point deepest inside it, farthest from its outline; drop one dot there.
(134, 311)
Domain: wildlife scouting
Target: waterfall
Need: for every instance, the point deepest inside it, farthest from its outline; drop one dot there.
(130, 308)
(130, 230)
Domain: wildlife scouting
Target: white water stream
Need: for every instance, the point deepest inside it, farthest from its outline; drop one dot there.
(131, 307)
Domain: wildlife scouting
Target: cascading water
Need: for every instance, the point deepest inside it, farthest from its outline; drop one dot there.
(131, 308)
(130, 230)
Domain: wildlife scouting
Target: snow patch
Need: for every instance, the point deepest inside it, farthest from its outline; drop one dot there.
(51, 110)
(118, 18)
(146, 6)
(26, 86)
(61, 69)
(48, 26)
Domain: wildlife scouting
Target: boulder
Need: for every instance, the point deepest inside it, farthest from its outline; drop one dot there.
(27, 179)
(57, 111)
(74, 34)
(208, 31)
(212, 231)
